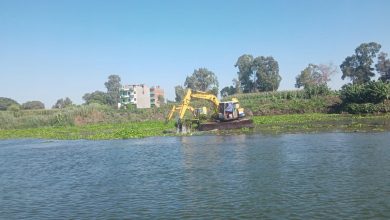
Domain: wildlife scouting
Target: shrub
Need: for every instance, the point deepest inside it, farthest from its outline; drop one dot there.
(13, 108)
(377, 91)
(371, 92)
(33, 105)
(355, 108)
(6, 102)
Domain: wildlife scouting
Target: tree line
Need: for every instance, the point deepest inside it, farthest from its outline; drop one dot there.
(254, 75)
(258, 74)
(261, 74)
(111, 97)
(10, 104)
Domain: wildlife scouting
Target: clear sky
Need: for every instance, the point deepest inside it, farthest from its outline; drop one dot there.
(66, 48)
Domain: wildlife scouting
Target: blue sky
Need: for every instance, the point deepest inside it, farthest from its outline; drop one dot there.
(56, 49)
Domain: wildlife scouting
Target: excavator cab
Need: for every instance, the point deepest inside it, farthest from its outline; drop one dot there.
(199, 112)
(230, 110)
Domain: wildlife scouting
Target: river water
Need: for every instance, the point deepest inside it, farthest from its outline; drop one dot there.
(289, 176)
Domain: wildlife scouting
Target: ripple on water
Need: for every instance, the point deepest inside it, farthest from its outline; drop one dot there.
(293, 176)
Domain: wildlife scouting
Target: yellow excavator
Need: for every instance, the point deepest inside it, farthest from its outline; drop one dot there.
(197, 112)
(227, 114)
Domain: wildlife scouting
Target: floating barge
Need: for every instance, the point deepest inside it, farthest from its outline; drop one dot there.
(226, 125)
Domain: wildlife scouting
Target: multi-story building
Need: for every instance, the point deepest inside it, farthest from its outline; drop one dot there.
(138, 95)
(156, 96)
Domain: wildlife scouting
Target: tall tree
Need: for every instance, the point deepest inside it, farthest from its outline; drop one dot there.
(237, 86)
(258, 74)
(161, 100)
(59, 104)
(202, 79)
(307, 77)
(245, 72)
(327, 71)
(33, 105)
(96, 97)
(310, 76)
(67, 102)
(228, 90)
(267, 73)
(63, 103)
(383, 67)
(315, 75)
(113, 86)
(179, 92)
(358, 66)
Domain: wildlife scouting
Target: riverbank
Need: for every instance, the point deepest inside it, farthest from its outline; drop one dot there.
(263, 124)
(322, 122)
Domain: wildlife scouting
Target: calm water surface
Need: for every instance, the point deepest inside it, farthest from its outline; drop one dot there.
(292, 176)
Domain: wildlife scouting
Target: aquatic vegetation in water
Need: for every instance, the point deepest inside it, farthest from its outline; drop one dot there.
(93, 132)
(267, 124)
(321, 122)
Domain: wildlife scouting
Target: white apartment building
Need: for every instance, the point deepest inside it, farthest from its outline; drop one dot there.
(138, 95)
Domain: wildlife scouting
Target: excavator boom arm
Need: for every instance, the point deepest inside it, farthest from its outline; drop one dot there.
(225, 111)
(171, 113)
(199, 95)
(177, 108)
(209, 97)
(185, 104)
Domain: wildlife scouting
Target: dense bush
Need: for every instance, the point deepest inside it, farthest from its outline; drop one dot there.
(365, 108)
(365, 98)
(377, 91)
(6, 102)
(371, 92)
(63, 103)
(13, 108)
(33, 105)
